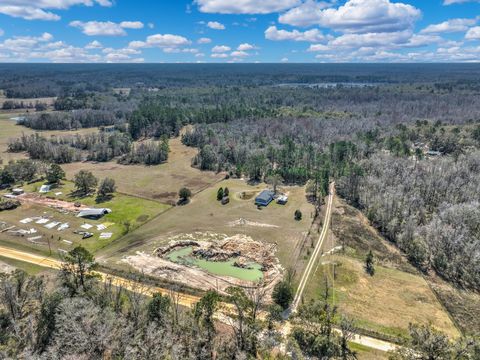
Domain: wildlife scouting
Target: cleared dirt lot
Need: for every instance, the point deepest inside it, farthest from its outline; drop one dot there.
(160, 182)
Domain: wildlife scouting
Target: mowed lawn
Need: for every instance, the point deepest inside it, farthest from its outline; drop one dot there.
(273, 224)
(160, 182)
(128, 213)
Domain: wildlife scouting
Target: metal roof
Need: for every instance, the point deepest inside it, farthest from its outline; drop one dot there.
(94, 212)
(265, 195)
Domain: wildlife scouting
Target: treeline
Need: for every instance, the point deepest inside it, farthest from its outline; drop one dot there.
(429, 208)
(102, 147)
(157, 118)
(23, 170)
(13, 105)
(71, 120)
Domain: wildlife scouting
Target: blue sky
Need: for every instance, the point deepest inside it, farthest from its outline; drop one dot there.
(239, 31)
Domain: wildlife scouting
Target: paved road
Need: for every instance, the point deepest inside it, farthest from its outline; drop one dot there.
(316, 252)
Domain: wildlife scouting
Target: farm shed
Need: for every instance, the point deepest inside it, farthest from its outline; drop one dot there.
(264, 198)
(282, 199)
(94, 213)
(44, 189)
(17, 191)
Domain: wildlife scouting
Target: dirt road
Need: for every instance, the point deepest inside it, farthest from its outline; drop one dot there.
(313, 259)
(181, 298)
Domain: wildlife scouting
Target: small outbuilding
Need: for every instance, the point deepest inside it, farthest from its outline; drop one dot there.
(282, 199)
(94, 213)
(17, 191)
(44, 189)
(264, 198)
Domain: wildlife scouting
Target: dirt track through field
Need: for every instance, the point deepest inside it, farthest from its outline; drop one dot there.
(316, 251)
(181, 298)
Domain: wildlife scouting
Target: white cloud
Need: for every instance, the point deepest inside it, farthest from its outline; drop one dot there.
(318, 47)
(94, 28)
(246, 47)
(221, 49)
(449, 26)
(131, 24)
(28, 48)
(239, 54)
(175, 50)
(215, 25)
(473, 33)
(245, 6)
(314, 35)
(106, 28)
(219, 56)
(94, 45)
(355, 16)
(450, 2)
(204, 40)
(161, 41)
(284, 60)
(38, 9)
(370, 39)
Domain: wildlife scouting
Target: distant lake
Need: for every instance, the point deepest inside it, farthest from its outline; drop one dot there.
(329, 85)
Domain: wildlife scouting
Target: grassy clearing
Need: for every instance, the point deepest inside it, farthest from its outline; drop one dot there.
(160, 182)
(386, 303)
(366, 353)
(273, 224)
(28, 268)
(464, 306)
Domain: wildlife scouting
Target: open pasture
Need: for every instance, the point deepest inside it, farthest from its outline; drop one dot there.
(386, 303)
(159, 182)
(274, 224)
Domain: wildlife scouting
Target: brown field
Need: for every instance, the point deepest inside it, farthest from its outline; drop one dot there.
(386, 303)
(160, 182)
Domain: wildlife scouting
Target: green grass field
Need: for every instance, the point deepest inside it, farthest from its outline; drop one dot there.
(128, 213)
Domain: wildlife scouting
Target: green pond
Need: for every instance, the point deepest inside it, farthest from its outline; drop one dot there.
(222, 268)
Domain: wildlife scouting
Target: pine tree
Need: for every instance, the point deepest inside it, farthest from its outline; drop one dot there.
(369, 266)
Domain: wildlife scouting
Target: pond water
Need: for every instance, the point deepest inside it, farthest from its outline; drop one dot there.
(222, 268)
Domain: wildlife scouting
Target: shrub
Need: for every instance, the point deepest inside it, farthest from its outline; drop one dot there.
(298, 215)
